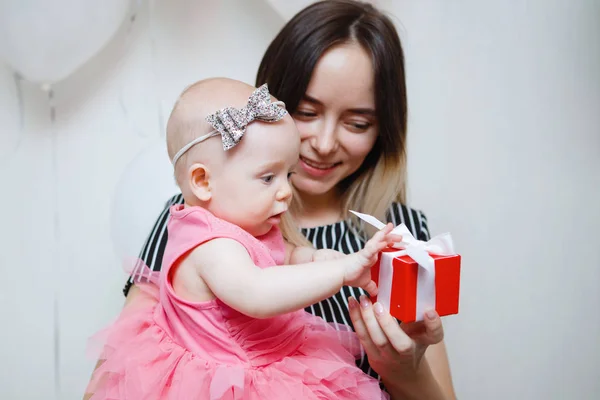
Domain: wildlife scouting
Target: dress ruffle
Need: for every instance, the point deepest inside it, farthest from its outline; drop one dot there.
(140, 361)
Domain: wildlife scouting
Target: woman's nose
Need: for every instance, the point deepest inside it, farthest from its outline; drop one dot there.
(325, 141)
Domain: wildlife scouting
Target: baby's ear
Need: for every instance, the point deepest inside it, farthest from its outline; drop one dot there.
(199, 177)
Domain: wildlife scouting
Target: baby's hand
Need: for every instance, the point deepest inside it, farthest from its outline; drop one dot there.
(327, 254)
(358, 271)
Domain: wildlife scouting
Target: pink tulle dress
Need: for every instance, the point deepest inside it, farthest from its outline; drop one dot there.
(165, 347)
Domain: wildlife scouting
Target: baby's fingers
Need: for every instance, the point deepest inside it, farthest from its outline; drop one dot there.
(378, 242)
(393, 238)
(387, 229)
(374, 247)
(371, 288)
(382, 234)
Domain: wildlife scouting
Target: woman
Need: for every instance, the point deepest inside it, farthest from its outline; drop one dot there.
(338, 65)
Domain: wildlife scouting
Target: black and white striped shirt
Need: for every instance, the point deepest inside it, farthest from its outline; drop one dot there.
(337, 236)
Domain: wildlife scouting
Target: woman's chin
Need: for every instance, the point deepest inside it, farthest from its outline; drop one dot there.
(311, 187)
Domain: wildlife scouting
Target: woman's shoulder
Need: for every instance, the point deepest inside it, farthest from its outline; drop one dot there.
(413, 218)
(177, 199)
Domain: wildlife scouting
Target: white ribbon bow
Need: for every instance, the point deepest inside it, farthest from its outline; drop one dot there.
(420, 252)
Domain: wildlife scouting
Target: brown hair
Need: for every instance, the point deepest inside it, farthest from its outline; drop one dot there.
(287, 68)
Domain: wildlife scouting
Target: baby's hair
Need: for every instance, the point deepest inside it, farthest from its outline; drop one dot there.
(186, 122)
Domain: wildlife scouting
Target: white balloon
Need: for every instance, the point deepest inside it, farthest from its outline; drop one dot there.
(47, 40)
(140, 195)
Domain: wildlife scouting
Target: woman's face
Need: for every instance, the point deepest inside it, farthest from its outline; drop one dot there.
(336, 120)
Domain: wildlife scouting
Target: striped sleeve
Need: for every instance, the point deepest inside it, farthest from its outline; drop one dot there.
(415, 220)
(423, 233)
(154, 246)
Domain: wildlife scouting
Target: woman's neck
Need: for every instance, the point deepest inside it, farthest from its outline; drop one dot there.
(319, 210)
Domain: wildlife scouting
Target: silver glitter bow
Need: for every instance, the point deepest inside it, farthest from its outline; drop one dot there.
(231, 123)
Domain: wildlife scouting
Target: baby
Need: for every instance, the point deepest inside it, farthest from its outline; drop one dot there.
(229, 321)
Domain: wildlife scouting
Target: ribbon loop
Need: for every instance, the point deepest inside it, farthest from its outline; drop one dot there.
(440, 244)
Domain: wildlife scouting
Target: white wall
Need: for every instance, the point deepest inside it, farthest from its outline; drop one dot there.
(504, 153)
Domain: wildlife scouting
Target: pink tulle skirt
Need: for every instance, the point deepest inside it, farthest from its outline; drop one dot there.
(140, 361)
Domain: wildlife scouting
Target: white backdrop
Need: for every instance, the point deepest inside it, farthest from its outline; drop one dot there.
(504, 152)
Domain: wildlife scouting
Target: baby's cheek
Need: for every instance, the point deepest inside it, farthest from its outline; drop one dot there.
(250, 211)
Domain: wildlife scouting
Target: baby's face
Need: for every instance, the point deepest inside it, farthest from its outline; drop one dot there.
(252, 189)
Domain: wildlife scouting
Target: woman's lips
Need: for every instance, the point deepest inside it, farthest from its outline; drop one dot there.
(317, 169)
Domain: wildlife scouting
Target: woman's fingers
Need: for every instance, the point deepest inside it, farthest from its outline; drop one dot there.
(426, 332)
(359, 326)
(434, 330)
(397, 338)
(377, 335)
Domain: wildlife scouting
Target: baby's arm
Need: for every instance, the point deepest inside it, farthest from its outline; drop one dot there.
(231, 275)
(298, 254)
(305, 254)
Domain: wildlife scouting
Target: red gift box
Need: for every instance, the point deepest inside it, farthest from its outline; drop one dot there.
(399, 292)
(416, 275)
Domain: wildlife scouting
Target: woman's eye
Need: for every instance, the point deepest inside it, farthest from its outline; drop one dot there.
(305, 114)
(359, 126)
(267, 178)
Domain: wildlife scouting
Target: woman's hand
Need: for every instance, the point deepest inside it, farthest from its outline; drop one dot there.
(395, 350)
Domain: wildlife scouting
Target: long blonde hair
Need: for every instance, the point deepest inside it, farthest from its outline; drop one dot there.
(376, 188)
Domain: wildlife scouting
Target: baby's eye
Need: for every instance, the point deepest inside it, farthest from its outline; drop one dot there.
(267, 178)
(289, 175)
